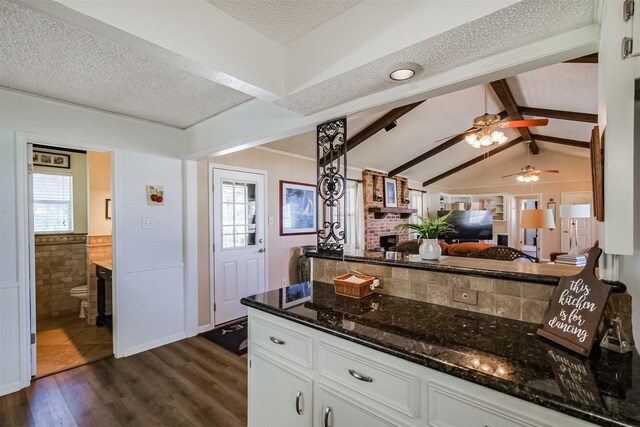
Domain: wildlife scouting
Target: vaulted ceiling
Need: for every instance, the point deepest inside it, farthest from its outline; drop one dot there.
(182, 62)
(565, 86)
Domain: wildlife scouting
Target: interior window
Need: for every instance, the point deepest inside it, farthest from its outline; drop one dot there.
(52, 203)
(415, 202)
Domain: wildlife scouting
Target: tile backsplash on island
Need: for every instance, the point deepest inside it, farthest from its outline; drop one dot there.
(526, 301)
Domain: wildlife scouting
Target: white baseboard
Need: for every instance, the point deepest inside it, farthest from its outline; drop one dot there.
(153, 344)
(12, 387)
(205, 328)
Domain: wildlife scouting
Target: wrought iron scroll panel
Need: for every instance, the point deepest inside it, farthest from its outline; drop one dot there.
(332, 185)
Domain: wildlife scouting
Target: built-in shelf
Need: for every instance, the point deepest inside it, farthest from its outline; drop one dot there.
(380, 213)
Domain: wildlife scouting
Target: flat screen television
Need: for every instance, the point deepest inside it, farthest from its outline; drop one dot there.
(470, 225)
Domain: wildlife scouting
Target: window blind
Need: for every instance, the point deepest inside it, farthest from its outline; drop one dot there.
(52, 203)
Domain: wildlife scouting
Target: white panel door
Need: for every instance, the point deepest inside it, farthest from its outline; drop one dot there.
(586, 227)
(32, 257)
(239, 248)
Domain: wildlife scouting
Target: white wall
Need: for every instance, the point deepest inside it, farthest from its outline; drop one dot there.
(148, 266)
(99, 172)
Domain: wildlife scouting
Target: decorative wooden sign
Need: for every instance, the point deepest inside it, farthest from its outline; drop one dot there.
(576, 308)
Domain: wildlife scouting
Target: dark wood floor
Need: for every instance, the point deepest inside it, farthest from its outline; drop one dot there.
(192, 382)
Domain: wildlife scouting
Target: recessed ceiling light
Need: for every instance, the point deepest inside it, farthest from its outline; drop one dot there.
(402, 74)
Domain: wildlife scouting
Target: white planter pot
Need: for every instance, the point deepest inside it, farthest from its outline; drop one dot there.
(430, 249)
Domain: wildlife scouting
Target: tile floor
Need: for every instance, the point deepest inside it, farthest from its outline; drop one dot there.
(65, 342)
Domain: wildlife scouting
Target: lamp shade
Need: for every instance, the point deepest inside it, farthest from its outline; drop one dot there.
(537, 218)
(575, 211)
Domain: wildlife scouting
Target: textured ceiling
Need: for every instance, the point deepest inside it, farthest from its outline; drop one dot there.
(44, 56)
(284, 20)
(523, 23)
(571, 87)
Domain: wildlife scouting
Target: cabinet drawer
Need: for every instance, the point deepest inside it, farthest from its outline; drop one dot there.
(373, 380)
(448, 408)
(281, 341)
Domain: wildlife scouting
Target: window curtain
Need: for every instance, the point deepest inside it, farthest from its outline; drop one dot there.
(359, 217)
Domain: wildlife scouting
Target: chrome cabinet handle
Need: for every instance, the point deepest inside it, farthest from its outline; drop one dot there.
(276, 341)
(357, 376)
(327, 413)
(298, 398)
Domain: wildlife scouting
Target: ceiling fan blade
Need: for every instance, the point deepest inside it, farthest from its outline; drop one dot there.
(513, 174)
(524, 123)
(546, 171)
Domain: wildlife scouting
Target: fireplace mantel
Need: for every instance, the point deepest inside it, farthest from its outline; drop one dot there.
(380, 213)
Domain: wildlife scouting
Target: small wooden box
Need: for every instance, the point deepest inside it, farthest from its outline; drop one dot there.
(353, 290)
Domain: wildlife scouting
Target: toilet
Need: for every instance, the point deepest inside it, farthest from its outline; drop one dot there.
(81, 293)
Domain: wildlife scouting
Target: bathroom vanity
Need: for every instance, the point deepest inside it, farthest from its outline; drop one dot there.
(104, 277)
(320, 359)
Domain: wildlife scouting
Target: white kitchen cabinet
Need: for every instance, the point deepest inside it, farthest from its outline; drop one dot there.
(400, 393)
(338, 411)
(278, 396)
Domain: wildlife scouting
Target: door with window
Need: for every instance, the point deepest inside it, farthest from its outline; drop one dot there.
(239, 248)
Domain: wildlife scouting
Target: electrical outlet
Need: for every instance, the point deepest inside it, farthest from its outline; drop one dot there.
(465, 296)
(148, 222)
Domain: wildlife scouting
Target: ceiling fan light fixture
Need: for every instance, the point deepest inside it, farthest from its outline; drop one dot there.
(497, 135)
(471, 138)
(503, 139)
(486, 140)
(535, 178)
(520, 178)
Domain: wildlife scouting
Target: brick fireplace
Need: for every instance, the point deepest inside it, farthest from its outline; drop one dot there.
(375, 228)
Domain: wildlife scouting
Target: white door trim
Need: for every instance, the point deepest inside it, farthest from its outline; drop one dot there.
(212, 167)
(25, 239)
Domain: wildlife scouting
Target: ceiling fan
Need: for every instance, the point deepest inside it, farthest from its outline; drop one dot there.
(481, 134)
(530, 174)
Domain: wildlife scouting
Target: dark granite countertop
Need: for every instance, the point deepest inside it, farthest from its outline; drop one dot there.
(502, 354)
(546, 273)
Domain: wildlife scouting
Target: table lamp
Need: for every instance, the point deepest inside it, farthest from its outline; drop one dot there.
(572, 212)
(537, 218)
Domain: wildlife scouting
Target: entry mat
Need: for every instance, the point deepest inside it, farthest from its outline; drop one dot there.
(231, 336)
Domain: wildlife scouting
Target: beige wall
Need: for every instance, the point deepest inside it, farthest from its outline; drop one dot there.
(281, 251)
(99, 191)
(78, 170)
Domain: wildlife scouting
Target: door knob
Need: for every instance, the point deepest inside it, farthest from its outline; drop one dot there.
(261, 250)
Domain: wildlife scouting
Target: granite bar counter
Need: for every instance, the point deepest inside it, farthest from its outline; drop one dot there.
(546, 273)
(502, 354)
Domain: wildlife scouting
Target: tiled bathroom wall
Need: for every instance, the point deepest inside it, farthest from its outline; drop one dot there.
(61, 264)
(99, 250)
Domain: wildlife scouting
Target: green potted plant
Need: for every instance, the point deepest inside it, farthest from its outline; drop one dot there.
(429, 230)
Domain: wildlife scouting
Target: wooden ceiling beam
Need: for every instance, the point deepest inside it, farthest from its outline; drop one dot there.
(562, 141)
(559, 114)
(475, 160)
(438, 149)
(587, 59)
(501, 88)
(376, 127)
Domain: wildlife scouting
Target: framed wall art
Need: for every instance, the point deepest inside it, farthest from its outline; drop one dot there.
(390, 193)
(53, 160)
(297, 208)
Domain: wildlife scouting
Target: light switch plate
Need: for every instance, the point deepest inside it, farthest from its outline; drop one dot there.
(465, 296)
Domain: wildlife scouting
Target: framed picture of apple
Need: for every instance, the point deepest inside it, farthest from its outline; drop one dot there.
(155, 195)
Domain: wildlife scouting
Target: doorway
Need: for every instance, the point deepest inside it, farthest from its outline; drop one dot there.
(528, 240)
(69, 196)
(586, 229)
(238, 236)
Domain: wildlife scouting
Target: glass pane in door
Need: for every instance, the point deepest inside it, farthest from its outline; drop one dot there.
(238, 214)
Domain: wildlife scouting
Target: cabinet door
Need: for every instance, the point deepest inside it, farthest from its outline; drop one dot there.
(336, 411)
(277, 396)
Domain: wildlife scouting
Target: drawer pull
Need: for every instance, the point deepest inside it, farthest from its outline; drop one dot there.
(357, 376)
(298, 399)
(276, 341)
(327, 413)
